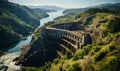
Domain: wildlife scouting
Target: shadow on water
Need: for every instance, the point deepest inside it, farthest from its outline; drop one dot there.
(10, 47)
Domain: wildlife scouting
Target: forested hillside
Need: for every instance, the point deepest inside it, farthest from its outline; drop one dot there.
(102, 55)
(114, 7)
(16, 22)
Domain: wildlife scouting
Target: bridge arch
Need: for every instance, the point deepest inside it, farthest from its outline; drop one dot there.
(65, 37)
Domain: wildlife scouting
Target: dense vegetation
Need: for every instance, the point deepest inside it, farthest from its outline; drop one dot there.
(114, 7)
(40, 13)
(102, 55)
(16, 21)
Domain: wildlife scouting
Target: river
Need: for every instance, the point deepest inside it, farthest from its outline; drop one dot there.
(6, 61)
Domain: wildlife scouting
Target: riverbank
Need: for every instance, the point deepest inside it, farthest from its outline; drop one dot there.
(14, 52)
(1, 53)
(16, 24)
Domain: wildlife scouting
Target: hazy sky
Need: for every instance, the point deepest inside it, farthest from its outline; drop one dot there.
(65, 3)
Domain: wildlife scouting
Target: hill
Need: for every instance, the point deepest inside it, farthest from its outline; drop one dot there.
(109, 6)
(16, 21)
(102, 55)
(47, 8)
(40, 12)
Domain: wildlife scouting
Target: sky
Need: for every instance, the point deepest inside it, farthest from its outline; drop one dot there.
(64, 3)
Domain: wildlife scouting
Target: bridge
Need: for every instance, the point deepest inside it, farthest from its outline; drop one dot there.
(66, 39)
(54, 41)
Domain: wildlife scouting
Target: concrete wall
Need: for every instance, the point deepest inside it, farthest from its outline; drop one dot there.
(65, 37)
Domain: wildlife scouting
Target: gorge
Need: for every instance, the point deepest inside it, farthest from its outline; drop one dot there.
(83, 39)
(7, 59)
(58, 45)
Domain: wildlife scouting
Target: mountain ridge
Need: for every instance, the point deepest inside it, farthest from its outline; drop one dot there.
(47, 8)
(110, 6)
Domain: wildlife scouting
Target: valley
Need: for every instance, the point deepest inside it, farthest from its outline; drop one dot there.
(51, 38)
(18, 21)
(54, 45)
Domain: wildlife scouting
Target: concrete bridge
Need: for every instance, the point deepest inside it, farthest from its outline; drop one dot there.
(67, 40)
(57, 39)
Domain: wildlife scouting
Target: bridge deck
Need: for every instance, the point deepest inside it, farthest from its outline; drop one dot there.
(72, 32)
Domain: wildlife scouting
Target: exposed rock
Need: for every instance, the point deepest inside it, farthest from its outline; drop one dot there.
(15, 59)
(3, 68)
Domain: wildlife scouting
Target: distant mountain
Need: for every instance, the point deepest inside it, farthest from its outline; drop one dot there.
(47, 8)
(107, 4)
(40, 13)
(16, 21)
(115, 7)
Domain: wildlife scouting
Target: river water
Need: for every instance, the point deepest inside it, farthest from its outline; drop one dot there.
(6, 61)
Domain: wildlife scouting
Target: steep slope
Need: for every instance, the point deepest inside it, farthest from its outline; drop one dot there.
(101, 55)
(16, 21)
(47, 8)
(41, 13)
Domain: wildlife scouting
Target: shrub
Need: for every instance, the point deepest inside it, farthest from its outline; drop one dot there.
(114, 25)
(100, 55)
(95, 49)
(46, 67)
(29, 69)
(87, 49)
(112, 47)
(104, 33)
(75, 67)
(56, 61)
(79, 55)
(101, 43)
(112, 63)
(69, 54)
